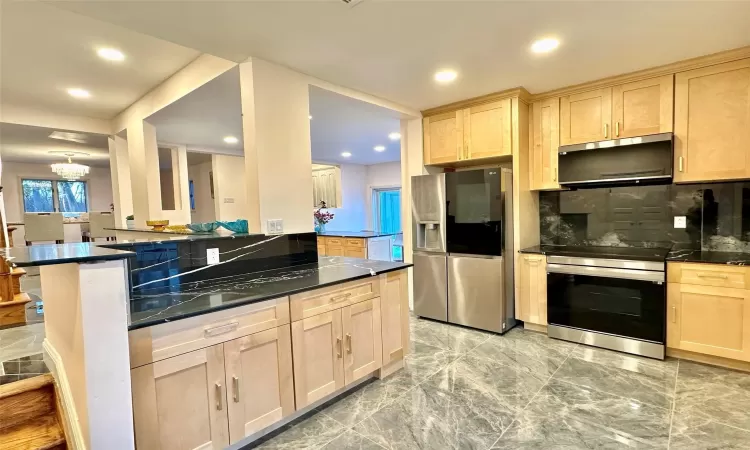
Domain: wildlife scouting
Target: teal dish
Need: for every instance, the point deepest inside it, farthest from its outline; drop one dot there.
(238, 226)
(203, 227)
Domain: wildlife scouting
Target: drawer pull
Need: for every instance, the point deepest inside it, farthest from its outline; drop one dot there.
(723, 277)
(341, 297)
(236, 389)
(349, 343)
(674, 314)
(338, 347)
(219, 404)
(221, 329)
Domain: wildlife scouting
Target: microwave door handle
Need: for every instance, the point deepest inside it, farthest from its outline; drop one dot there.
(606, 272)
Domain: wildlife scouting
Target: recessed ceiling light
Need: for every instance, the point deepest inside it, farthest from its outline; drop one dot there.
(69, 136)
(394, 136)
(79, 93)
(379, 148)
(231, 140)
(309, 117)
(346, 154)
(445, 76)
(544, 45)
(110, 54)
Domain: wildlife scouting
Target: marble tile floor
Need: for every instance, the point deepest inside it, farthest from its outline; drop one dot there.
(465, 389)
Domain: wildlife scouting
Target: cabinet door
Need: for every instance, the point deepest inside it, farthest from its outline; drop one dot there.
(487, 130)
(335, 250)
(710, 320)
(712, 123)
(180, 403)
(545, 122)
(259, 381)
(443, 138)
(533, 301)
(355, 252)
(586, 117)
(362, 339)
(643, 107)
(394, 312)
(318, 357)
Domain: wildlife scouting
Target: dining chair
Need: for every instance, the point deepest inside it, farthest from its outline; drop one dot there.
(40, 227)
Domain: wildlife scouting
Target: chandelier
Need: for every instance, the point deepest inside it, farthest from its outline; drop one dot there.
(69, 170)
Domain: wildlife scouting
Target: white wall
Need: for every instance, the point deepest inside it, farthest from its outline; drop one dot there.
(98, 180)
(352, 216)
(204, 204)
(229, 185)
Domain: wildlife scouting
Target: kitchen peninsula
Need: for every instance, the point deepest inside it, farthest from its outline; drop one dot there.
(151, 334)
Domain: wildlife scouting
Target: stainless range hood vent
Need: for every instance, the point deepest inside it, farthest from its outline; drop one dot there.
(624, 142)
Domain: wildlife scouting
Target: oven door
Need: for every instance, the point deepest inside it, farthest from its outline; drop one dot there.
(622, 302)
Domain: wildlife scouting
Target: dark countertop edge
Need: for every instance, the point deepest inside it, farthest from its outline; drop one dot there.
(79, 259)
(352, 234)
(176, 237)
(262, 298)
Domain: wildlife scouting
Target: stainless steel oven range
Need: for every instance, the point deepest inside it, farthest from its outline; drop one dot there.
(619, 304)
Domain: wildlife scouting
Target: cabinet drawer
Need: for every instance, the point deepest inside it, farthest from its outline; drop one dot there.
(358, 243)
(319, 301)
(334, 241)
(709, 275)
(174, 338)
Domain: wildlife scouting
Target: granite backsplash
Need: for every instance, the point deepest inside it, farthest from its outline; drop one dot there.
(717, 216)
(167, 264)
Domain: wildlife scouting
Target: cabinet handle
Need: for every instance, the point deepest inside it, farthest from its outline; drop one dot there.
(341, 297)
(606, 130)
(674, 314)
(680, 163)
(555, 177)
(459, 152)
(702, 275)
(348, 343)
(221, 329)
(236, 389)
(219, 404)
(468, 151)
(617, 129)
(338, 347)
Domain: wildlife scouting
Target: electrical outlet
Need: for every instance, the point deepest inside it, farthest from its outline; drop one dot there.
(228, 200)
(680, 222)
(212, 255)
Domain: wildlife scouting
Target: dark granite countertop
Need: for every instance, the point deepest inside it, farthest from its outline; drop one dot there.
(708, 257)
(150, 307)
(356, 234)
(47, 254)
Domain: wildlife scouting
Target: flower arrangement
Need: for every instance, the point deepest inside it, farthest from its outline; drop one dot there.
(322, 217)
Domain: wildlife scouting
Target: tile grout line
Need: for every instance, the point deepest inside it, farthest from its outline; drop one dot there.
(534, 396)
(674, 404)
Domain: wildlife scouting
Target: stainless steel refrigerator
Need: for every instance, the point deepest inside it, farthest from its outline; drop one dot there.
(463, 240)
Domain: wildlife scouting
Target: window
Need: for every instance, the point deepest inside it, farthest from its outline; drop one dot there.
(387, 210)
(67, 197)
(191, 188)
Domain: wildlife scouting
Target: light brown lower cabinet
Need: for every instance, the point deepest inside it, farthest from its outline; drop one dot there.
(209, 398)
(334, 349)
(394, 312)
(532, 301)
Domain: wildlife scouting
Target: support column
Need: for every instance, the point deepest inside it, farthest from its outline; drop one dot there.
(278, 158)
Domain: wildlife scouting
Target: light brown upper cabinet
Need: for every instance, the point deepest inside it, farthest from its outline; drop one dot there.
(443, 137)
(712, 123)
(632, 109)
(586, 117)
(643, 107)
(482, 131)
(545, 136)
(487, 130)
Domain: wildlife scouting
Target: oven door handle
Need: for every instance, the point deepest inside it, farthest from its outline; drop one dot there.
(607, 272)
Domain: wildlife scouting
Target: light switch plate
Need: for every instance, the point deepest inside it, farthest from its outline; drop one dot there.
(279, 226)
(228, 200)
(275, 226)
(680, 222)
(212, 255)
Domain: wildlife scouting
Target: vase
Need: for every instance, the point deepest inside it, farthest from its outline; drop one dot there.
(320, 228)
(130, 224)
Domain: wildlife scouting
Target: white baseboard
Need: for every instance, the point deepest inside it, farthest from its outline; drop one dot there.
(69, 414)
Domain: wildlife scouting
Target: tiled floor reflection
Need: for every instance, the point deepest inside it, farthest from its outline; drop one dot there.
(22, 368)
(464, 389)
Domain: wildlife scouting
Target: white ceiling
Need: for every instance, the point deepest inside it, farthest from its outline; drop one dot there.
(391, 49)
(22, 143)
(46, 50)
(204, 117)
(342, 123)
